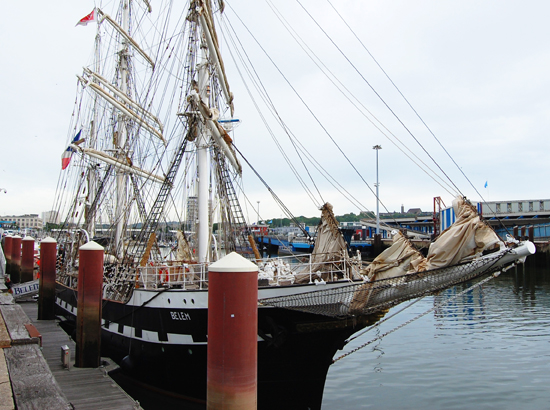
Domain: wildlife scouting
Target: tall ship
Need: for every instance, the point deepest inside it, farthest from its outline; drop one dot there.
(153, 158)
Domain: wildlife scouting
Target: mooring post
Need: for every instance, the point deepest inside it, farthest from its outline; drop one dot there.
(88, 318)
(46, 291)
(232, 334)
(532, 233)
(8, 241)
(377, 245)
(15, 272)
(523, 236)
(27, 259)
(515, 233)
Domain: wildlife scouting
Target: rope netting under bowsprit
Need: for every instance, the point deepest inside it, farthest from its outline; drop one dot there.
(357, 299)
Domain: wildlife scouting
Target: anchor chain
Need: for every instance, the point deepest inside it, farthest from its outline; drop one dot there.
(437, 306)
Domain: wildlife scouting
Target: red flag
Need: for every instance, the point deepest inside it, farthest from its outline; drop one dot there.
(89, 18)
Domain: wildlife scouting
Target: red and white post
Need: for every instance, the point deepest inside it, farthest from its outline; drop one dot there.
(46, 291)
(232, 334)
(88, 317)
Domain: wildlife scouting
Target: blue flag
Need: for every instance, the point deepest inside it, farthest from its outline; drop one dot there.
(485, 184)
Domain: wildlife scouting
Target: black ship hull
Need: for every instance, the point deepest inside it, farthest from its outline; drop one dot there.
(165, 346)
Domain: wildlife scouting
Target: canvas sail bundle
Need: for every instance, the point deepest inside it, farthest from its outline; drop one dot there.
(329, 243)
(399, 259)
(467, 237)
(330, 251)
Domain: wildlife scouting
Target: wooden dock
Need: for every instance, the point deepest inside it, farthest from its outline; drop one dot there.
(32, 351)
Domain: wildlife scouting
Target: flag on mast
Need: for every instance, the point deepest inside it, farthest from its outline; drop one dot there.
(68, 153)
(88, 19)
(485, 184)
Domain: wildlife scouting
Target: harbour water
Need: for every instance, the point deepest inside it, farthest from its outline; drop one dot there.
(487, 349)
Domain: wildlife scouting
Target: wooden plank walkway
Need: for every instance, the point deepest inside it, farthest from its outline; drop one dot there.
(32, 382)
(5, 387)
(91, 389)
(28, 377)
(38, 378)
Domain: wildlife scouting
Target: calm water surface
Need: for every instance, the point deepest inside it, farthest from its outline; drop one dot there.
(488, 349)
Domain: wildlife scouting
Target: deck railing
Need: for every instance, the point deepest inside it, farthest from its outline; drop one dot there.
(285, 271)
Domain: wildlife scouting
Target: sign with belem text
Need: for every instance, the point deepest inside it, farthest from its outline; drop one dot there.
(26, 288)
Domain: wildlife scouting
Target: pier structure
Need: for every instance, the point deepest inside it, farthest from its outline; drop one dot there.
(32, 374)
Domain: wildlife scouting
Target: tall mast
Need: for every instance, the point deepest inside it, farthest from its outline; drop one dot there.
(203, 164)
(120, 141)
(92, 175)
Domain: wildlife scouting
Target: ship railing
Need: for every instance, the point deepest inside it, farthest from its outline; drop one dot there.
(286, 270)
(173, 274)
(301, 268)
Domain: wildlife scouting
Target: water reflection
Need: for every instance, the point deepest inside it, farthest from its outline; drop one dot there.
(488, 349)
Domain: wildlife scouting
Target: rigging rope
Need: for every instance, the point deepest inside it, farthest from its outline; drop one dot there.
(379, 96)
(348, 94)
(298, 146)
(436, 306)
(310, 110)
(415, 112)
(275, 197)
(264, 95)
(385, 319)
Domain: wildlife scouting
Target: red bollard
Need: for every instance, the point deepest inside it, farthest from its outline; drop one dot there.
(88, 317)
(8, 241)
(27, 259)
(232, 334)
(15, 272)
(46, 292)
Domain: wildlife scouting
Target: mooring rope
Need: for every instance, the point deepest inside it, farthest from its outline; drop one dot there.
(436, 306)
(385, 319)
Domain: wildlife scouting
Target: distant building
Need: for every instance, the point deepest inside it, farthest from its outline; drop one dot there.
(192, 213)
(51, 217)
(414, 211)
(30, 221)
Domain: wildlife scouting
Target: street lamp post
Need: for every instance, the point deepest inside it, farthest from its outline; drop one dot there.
(377, 148)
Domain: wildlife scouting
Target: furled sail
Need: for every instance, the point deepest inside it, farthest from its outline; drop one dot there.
(330, 245)
(329, 251)
(466, 238)
(184, 252)
(397, 260)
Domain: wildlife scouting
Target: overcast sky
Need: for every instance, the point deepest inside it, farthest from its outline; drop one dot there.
(475, 71)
